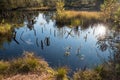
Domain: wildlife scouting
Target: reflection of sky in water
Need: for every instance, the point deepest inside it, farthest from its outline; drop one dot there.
(101, 29)
(80, 44)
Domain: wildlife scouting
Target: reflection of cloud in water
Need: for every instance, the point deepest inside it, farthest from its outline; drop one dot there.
(80, 56)
(29, 41)
(100, 31)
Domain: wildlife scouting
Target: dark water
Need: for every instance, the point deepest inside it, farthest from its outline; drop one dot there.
(60, 46)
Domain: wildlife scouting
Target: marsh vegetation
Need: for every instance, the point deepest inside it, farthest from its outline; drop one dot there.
(78, 39)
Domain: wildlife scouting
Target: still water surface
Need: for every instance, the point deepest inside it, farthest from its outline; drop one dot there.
(59, 46)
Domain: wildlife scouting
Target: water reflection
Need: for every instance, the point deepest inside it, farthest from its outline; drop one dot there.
(68, 50)
(47, 41)
(69, 33)
(42, 46)
(14, 37)
(101, 29)
(41, 34)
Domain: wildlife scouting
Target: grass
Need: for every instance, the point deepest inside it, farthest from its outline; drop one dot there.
(5, 33)
(4, 28)
(37, 9)
(30, 65)
(84, 14)
(62, 73)
(108, 71)
(76, 18)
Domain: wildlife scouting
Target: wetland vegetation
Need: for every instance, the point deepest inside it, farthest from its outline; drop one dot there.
(77, 39)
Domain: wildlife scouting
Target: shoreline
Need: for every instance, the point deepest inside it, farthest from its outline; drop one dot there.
(49, 9)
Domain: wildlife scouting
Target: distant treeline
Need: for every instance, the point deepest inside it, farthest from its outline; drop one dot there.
(15, 4)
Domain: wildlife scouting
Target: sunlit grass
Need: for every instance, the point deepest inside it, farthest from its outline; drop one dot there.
(76, 18)
(4, 28)
(28, 63)
(62, 73)
(84, 14)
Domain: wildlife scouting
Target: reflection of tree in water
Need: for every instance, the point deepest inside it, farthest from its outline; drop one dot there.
(78, 53)
(47, 41)
(19, 18)
(15, 19)
(67, 50)
(48, 16)
(30, 22)
(77, 30)
(5, 38)
(111, 69)
(14, 37)
(69, 33)
(102, 45)
(109, 41)
(42, 46)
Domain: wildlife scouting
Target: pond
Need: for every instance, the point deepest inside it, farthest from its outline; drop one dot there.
(75, 47)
